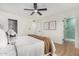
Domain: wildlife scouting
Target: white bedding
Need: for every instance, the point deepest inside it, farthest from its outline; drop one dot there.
(29, 46)
(26, 46)
(3, 39)
(9, 50)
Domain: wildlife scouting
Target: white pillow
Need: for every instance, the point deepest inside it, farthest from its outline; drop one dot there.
(3, 39)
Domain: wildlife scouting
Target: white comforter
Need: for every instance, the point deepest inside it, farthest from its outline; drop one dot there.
(29, 46)
(24, 46)
(9, 50)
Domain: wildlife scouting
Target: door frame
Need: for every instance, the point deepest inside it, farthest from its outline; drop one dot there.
(64, 30)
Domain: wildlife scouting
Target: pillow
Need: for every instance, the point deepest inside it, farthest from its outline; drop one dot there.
(3, 39)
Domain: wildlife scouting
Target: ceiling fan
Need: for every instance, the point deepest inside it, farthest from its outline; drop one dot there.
(36, 10)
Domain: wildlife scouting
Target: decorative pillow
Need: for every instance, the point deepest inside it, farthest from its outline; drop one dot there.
(3, 39)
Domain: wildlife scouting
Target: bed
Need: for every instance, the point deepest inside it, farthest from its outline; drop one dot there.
(21, 46)
(24, 46)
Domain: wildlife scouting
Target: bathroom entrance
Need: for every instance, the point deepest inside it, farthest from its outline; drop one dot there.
(69, 29)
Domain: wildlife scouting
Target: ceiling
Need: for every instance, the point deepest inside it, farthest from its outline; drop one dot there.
(53, 8)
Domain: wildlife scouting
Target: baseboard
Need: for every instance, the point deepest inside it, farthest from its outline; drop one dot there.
(71, 40)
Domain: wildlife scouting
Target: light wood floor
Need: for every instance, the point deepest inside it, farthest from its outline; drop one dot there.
(66, 49)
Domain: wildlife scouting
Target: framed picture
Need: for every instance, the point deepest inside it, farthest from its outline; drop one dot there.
(50, 25)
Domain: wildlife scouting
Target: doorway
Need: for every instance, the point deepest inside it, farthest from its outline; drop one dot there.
(69, 29)
(12, 24)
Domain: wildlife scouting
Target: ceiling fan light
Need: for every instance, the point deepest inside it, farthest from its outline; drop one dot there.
(35, 10)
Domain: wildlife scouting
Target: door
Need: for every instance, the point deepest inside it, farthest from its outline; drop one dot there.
(12, 24)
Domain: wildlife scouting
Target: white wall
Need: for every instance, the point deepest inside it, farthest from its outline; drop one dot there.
(77, 33)
(22, 22)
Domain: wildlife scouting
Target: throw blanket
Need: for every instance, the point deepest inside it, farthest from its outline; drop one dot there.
(47, 43)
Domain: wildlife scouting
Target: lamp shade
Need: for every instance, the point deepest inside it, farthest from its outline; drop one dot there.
(11, 32)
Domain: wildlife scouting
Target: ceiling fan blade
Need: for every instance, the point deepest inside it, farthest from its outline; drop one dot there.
(43, 9)
(32, 13)
(35, 6)
(29, 9)
(39, 13)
